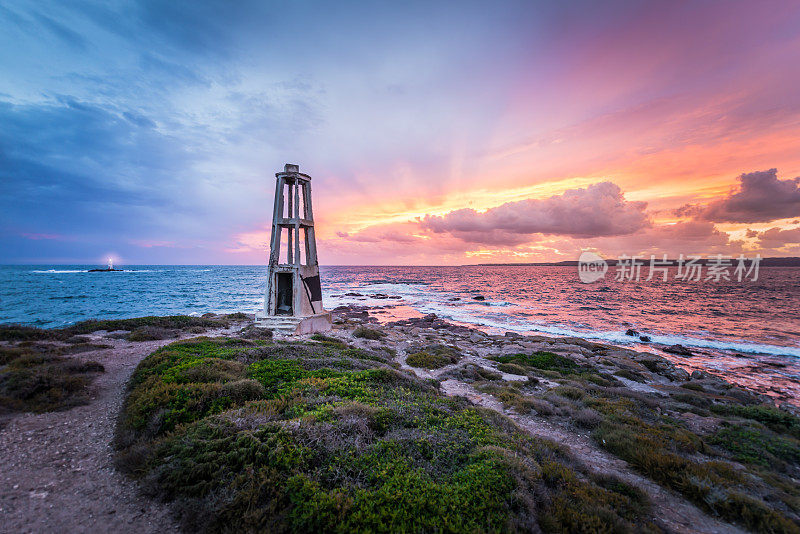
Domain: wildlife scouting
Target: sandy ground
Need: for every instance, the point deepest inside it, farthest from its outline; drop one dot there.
(56, 469)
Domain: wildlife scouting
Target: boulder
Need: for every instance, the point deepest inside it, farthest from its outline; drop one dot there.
(680, 350)
(475, 337)
(678, 374)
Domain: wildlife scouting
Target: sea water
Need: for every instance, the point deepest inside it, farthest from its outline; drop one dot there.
(748, 331)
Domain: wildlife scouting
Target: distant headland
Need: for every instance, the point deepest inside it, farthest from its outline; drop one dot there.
(765, 262)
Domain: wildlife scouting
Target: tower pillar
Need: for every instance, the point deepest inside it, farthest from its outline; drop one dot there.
(293, 298)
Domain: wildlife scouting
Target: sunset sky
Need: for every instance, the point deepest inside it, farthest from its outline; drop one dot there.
(435, 132)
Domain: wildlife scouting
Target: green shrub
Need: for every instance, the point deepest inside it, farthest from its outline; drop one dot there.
(751, 444)
(472, 373)
(511, 368)
(368, 333)
(540, 360)
(432, 356)
(690, 398)
(150, 333)
(322, 338)
(174, 322)
(510, 397)
(770, 416)
(631, 375)
(26, 333)
(43, 381)
(713, 486)
(427, 361)
(294, 444)
(243, 390)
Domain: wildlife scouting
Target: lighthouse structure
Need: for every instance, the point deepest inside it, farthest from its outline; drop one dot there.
(293, 298)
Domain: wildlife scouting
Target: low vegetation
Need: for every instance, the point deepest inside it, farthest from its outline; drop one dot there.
(256, 435)
(432, 357)
(40, 378)
(368, 333)
(741, 464)
(140, 328)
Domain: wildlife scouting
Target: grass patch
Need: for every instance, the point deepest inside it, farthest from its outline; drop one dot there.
(511, 368)
(471, 373)
(312, 437)
(664, 450)
(330, 340)
(631, 375)
(546, 361)
(555, 366)
(368, 333)
(38, 379)
(751, 444)
(770, 416)
(713, 486)
(173, 322)
(432, 356)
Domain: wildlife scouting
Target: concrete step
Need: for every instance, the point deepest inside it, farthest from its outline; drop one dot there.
(287, 325)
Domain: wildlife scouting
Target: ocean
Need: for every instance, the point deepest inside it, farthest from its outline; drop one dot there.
(747, 332)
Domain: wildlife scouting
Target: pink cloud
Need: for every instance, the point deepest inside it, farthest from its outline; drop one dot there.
(597, 210)
(759, 197)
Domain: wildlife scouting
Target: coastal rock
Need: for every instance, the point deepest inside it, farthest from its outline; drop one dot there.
(678, 375)
(631, 332)
(537, 347)
(646, 339)
(478, 297)
(475, 337)
(433, 322)
(353, 313)
(512, 334)
(698, 375)
(680, 350)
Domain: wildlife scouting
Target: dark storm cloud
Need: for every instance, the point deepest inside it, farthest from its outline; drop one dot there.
(760, 197)
(598, 210)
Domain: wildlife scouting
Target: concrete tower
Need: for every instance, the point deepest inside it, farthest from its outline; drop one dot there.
(293, 300)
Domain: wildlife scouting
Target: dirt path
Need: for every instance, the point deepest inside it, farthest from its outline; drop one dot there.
(56, 470)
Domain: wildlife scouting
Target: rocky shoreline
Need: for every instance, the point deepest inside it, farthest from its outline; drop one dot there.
(698, 361)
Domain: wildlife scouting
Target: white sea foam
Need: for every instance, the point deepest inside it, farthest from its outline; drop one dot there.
(57, 271)
(615, 337)
(478, 313)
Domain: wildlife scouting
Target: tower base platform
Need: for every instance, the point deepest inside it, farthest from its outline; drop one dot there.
(288, 325)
